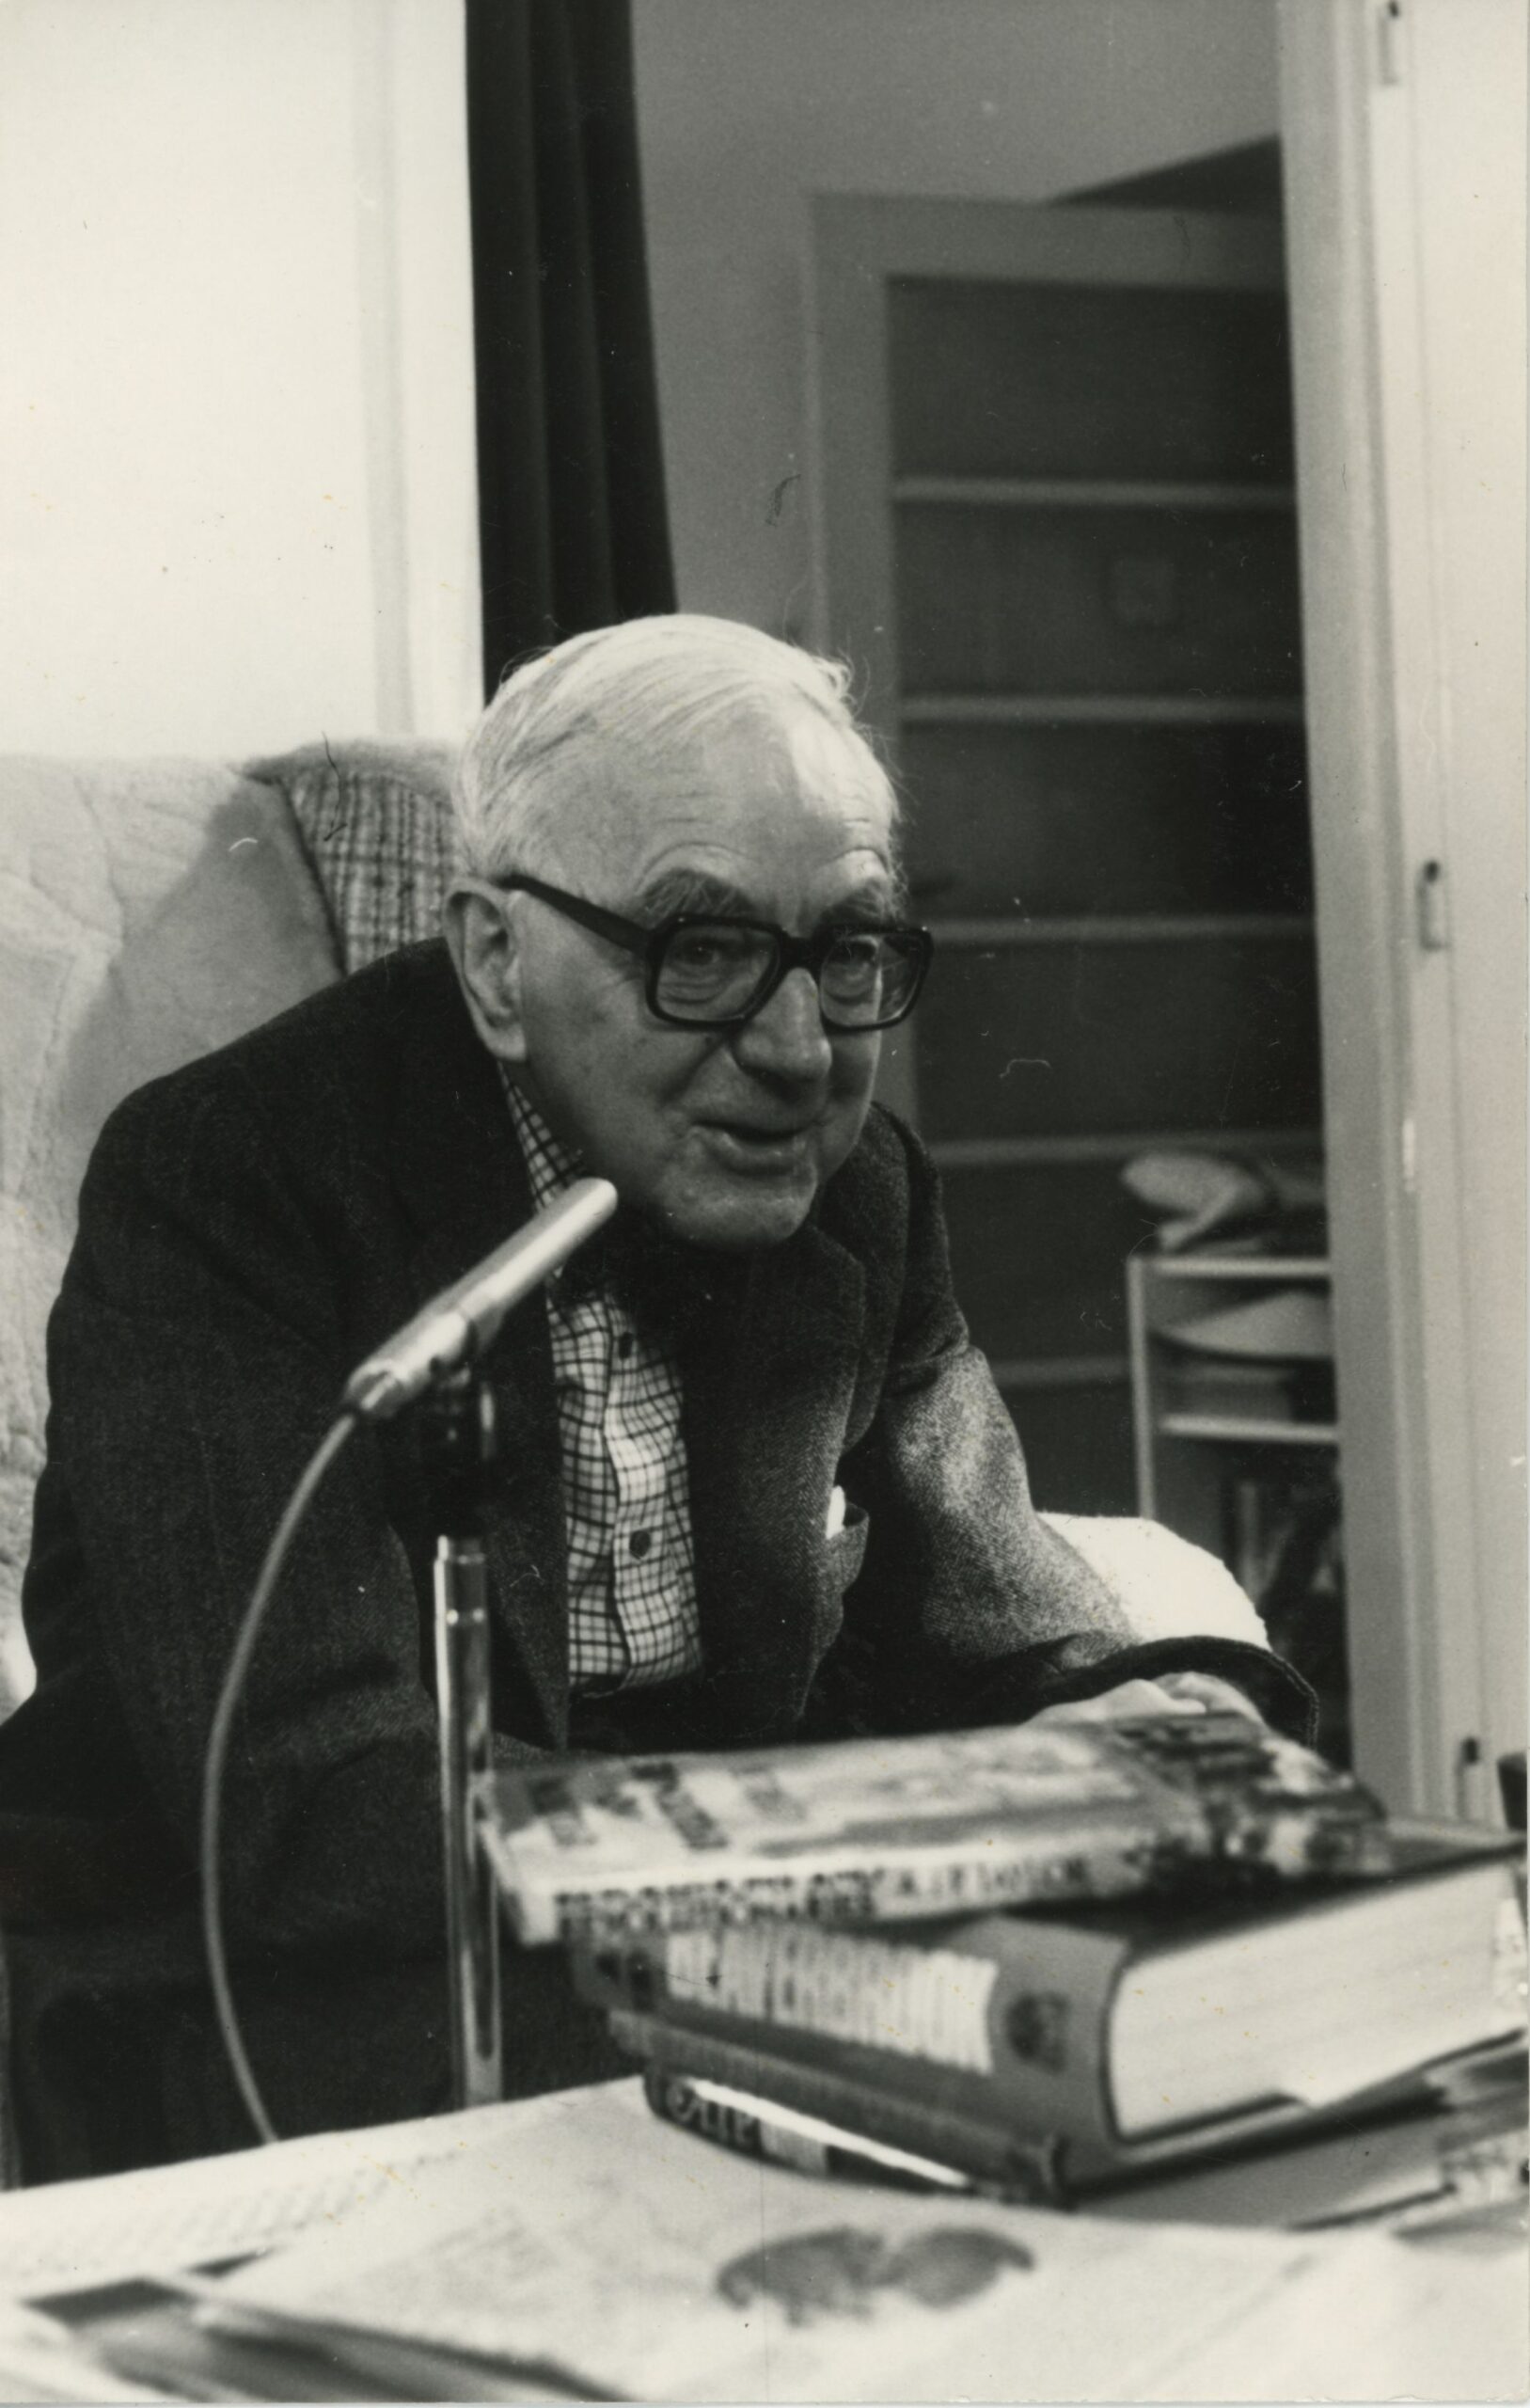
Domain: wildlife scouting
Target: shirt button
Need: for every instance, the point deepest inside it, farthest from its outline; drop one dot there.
(624, 1345)
(640, 1543)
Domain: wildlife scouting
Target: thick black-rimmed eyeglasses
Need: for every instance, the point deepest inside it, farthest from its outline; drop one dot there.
(702, 972)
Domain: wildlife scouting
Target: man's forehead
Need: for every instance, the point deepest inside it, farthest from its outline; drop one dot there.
(738, 789)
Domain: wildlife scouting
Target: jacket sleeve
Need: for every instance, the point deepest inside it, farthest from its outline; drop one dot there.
(195, 1361)
(971, 1606)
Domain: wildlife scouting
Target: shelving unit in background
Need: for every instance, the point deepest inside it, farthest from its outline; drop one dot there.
(1055, 493)
(1242, 1452)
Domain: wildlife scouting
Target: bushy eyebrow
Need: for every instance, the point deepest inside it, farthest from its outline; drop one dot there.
(700, 891)
(692, 890)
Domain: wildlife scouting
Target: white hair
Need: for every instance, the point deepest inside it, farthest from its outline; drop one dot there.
(631, 695)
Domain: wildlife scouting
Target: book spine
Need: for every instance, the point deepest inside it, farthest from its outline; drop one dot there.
(1020, 2168)
(631, 1846)
(773, 2134)
(1020, 1868)
(1001, 2019)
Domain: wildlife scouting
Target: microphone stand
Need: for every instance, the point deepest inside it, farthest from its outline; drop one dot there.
(458, 1451)
(459, 1446)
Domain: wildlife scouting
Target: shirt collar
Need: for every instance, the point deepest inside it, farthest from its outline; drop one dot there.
(551, 1165)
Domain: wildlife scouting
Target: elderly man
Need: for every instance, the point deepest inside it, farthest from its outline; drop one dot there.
(757, 1484)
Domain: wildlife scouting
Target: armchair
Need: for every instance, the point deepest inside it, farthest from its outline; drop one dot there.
(151, 910)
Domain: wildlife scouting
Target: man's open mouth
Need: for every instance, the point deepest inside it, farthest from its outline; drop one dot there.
(746, 1142)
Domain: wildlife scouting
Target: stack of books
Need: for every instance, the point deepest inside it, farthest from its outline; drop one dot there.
(1057, 1963)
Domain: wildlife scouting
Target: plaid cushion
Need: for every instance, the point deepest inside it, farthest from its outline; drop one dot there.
(375, 822)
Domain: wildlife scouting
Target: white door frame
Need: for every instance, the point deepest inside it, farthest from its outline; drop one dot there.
(1405, 168)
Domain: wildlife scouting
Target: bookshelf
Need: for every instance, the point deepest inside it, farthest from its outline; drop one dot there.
(1241, 1451)
(1055, 487)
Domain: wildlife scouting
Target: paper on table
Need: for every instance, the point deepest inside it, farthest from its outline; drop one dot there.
(68, 2235)
(698, 2276)
(1387, 2320)
(40, 2360)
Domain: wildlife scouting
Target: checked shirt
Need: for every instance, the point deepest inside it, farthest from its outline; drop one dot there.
(631, 1573)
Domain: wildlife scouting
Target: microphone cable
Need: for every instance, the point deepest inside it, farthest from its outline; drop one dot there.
(217, 1757)
(451, 1331)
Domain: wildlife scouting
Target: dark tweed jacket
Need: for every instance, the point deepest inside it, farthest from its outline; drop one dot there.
(248, 1230)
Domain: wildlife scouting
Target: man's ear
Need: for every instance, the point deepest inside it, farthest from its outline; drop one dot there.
(480, 929)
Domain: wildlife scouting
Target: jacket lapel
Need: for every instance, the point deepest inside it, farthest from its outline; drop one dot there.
(768, 1383)
(463, 1178)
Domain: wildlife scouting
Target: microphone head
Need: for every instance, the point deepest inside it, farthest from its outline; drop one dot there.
(459, 1324)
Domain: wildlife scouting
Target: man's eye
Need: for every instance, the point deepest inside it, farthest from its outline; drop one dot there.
(854, 954)
(706, 948)
(712, 968)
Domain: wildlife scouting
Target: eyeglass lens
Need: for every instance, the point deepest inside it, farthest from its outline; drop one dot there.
(714, 970)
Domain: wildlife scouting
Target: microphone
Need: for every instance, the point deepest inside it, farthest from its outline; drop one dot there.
(457, 1326)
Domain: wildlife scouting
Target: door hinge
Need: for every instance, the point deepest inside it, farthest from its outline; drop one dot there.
(1389, 41)
(1431, 900)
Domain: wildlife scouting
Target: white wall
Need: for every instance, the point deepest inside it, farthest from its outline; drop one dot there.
(236, 409)
(746, 107)
(235, 391)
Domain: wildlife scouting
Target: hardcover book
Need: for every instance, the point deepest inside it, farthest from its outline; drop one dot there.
(1448, 2141)
(1119, 2029)
(870, 1831)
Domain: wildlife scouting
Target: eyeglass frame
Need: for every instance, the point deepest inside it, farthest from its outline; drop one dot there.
(791, 953)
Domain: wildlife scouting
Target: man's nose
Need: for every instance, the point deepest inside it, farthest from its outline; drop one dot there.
(786, 1040)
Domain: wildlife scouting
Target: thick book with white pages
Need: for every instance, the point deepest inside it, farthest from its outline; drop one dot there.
(1115, 2028)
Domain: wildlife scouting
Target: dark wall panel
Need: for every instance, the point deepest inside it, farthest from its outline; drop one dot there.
(1025, 1040)
(1037, 1255)
(1078, 1447)
(1107, 601)
(1049, 380)
(1074, 820)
